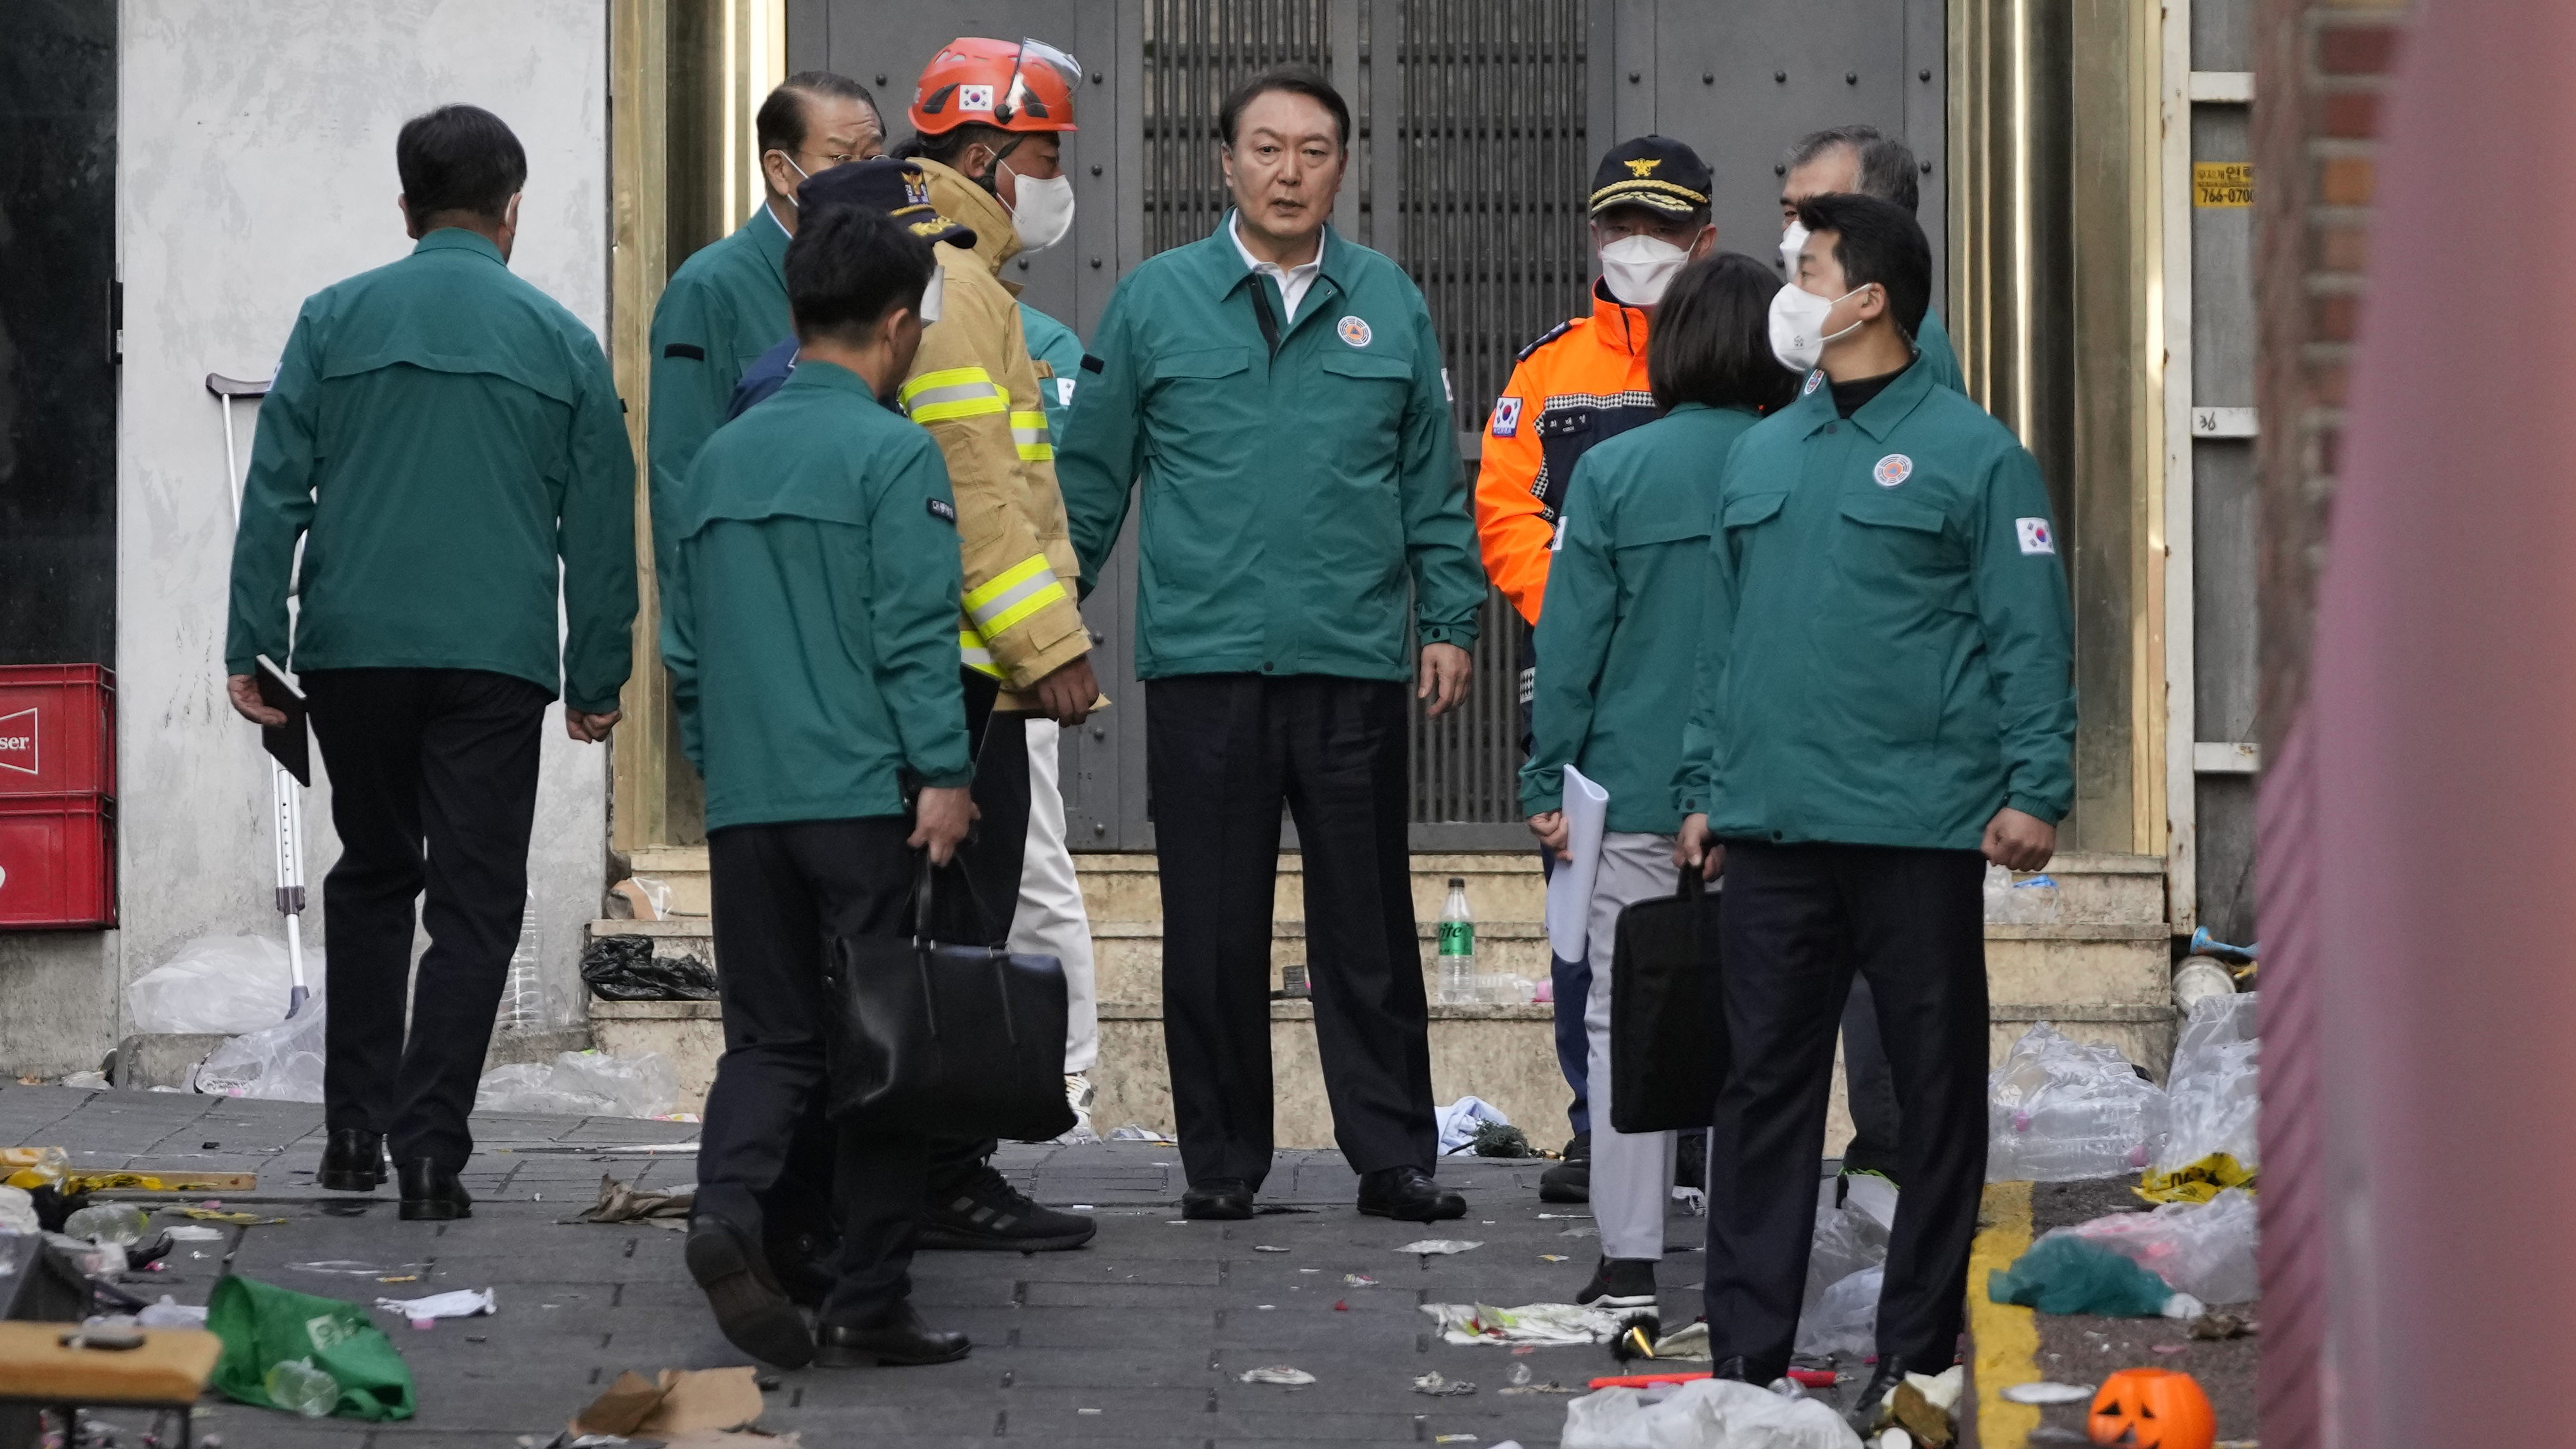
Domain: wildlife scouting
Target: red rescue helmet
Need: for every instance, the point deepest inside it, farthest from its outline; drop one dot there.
(1021, 85)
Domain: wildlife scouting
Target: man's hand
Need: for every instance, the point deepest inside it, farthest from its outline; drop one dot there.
(1446, 668)
(590, 729)
(1066, 696)
(2019, 842)
(1550, 828)
(1694, 847)
(244, 690)
(940, 820)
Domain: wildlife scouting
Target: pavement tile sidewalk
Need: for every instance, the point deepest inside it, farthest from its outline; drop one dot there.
(1135, 1340)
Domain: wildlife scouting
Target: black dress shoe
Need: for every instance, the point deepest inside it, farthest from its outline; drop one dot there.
(1219, 1199)
(1407, 1194)
(1892, 1368)
(1570, 1180)
(431, 1193)
(352, 1161)
(893, 1338)
(750, 1307)
(806, 1266)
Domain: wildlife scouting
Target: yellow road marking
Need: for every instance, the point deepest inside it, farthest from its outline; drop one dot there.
(2006, 1337)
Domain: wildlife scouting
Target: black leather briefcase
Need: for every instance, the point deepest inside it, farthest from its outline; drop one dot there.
(1667, 1033)
(963, 1042)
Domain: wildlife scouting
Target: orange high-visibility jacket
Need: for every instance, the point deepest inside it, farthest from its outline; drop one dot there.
(1582, 382)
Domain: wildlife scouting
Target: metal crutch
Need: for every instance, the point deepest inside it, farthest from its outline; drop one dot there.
(286, 797)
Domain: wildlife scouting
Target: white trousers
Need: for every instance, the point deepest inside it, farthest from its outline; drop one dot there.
(1050, 920)
(1632, 1172)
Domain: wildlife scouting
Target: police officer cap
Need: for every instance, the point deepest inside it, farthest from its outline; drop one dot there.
(1655, 171)
(885, 184)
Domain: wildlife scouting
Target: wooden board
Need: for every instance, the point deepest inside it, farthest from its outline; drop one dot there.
(170, 1367)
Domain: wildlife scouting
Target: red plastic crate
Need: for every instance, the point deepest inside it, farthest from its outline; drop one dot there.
(57, 730)
(57, 862)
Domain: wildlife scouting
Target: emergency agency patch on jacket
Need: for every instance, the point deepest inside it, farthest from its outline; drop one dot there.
(942, 509)
(2035, 536)
(1813, 379)
(1354, 331)
(1507, 417)
(1893, 469)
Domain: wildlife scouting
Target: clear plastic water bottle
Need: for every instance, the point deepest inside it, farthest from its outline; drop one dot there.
(296, 1386)
(1457, 947)
(523, 996)
(108, 1223)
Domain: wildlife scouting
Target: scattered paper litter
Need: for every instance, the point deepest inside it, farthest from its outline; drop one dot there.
(1439, 1245)
(681, 1400)
(1439, 1386)
(2046, 1392)
(620, 1203)
(1529, 1323)
(1276, 1374)
(1266, 1248)
(1553, 1258)
(1550, 1217)
(1687, 1342)
(463, 1303)
(192, 1233)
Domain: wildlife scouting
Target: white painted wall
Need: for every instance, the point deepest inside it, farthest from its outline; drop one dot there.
(256, 166)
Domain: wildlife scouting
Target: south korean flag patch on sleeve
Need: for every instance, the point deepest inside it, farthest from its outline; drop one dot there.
(1507, 417)
(2036, 537)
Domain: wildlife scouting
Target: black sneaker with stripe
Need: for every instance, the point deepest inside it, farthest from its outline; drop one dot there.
(985, 1212)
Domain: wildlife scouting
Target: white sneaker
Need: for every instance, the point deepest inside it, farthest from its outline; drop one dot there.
(1078, 1093)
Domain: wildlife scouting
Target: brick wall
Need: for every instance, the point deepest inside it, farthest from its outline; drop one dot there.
(2320, 71)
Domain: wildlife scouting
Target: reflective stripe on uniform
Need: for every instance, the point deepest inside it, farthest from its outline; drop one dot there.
(1029, 430)
(951, 392)
(970, 649)
(1013, 595)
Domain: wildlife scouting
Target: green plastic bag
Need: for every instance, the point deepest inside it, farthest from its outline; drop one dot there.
(263, 1325)
(2073, 1275)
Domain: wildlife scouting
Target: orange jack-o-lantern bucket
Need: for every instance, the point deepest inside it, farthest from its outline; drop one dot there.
(2153, 1408)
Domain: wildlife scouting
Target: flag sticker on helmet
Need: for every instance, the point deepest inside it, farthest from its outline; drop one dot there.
(1354, 331)
(1893, 469)
(2035, 535)
(1507, 417)
(975, 98)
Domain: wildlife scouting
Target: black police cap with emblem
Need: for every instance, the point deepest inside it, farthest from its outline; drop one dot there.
(1654, 171)
(887, 184)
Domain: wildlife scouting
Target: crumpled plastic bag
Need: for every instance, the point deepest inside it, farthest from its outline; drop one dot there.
(1703, 1414)
(227, 984)
(1853, 1236)
(263, 1325)
(1529, 1323)
(624, 968)
(582, 1084)
(18, 1211)
(1844, 1318)
(2061, 1111)
(281, 1063)
(2203, 1249)
(2213, 1105)
(2075, 1275)
(1459, 1119)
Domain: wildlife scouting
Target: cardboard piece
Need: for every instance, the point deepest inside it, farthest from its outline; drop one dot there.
(678, 1402)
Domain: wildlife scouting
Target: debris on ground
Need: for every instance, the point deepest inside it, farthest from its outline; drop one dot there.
(1499, 1139)
(619, 1203)
(2077, 1275)
(2046, 1392)
(1134, 1133)
(675, 1402)
(280, 1063)
(30, 1168)
(624, 968)
(582, 1084)
(1459, 1122)
(1276, 1374)
(223, 985)
(2215, 1326)
(2059, 1110)
(2152, 1406)
(1439, 1245)
(1702, 1412)
(263, 1325)
(2205, 1249)
(1529, 1323)
(2212, 1094)
(1439, 1386)
(462, 1303)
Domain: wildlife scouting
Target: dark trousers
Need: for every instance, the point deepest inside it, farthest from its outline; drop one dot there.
(1797, 922)
(1222, 753)
(780, 891)
(1869, 1087)
(433, 789)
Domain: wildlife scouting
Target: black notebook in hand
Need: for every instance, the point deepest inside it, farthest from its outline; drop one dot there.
(289, 744)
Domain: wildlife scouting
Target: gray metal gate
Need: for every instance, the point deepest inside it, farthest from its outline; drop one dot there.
(1476, 123)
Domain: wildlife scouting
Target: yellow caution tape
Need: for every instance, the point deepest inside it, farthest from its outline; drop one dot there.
(2196, 1181)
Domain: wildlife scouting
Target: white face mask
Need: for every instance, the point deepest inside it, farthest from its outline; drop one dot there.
(1792, 242)
(1798, 335)
(929, 309)
(1045, 210)
(1639, 268)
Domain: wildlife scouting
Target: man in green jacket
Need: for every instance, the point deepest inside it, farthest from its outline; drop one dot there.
(1883, 705)
(445, 439)
(811, 635)
(727, 304)
(1279, 391)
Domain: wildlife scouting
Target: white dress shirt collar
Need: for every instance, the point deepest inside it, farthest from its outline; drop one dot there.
(1293, 281)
